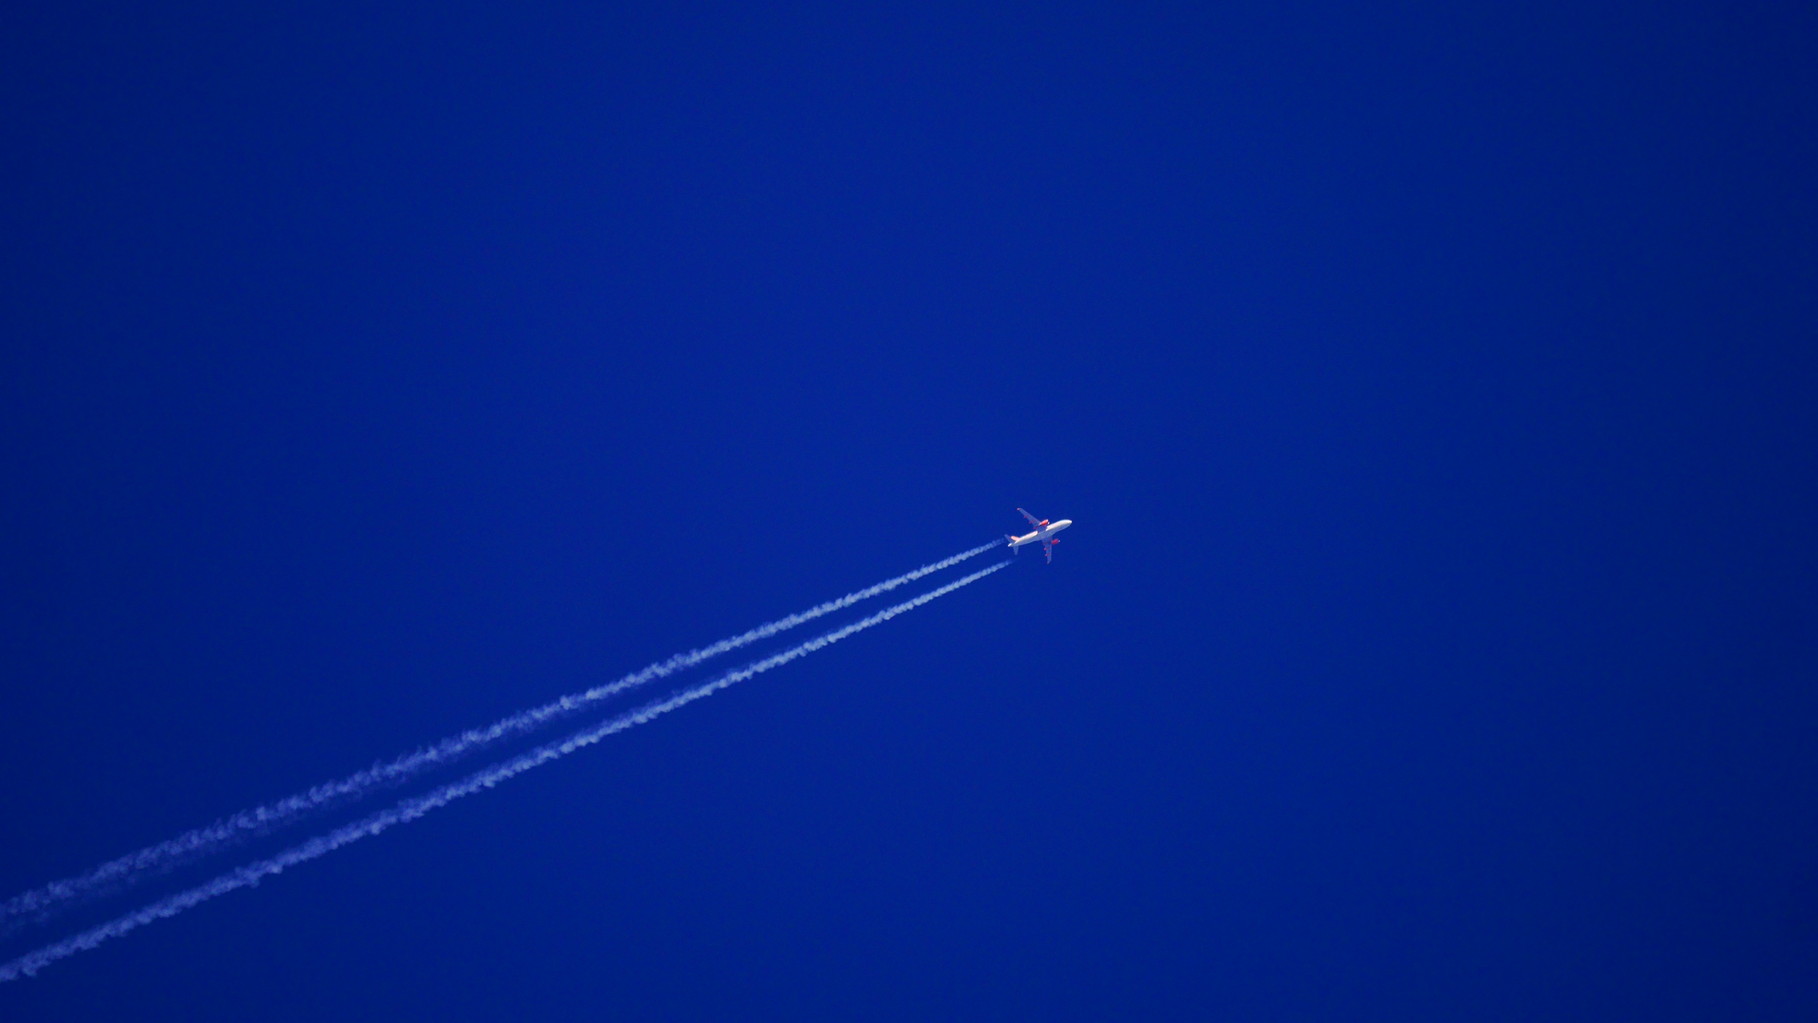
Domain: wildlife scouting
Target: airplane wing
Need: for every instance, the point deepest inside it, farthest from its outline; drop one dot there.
(1048, 549)
(1031, 518)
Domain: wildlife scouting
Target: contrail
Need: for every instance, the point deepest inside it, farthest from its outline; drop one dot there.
(41, 904)
(411, 809)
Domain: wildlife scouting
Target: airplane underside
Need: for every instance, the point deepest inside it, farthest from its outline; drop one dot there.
(1044, 533)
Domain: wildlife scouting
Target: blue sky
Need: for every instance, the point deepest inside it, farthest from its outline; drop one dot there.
(1431, 388)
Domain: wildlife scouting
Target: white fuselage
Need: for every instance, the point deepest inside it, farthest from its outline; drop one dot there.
(1041, 534)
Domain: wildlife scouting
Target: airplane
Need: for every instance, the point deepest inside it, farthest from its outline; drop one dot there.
(1044, 531)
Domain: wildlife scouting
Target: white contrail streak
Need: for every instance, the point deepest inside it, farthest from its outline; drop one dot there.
(411, 809)
(45, 902)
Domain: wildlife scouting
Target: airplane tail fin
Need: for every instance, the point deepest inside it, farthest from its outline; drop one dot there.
(1013, 547)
